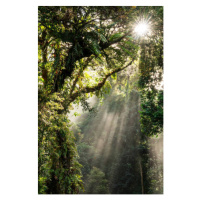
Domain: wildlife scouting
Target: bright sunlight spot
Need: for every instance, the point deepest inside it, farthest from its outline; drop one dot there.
(142, 28)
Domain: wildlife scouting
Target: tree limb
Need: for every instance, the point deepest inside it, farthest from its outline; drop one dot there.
(77, 77)
(69, 68)
(96, 87)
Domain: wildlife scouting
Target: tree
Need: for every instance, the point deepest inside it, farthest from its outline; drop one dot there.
(71, 34)
(80, 49)
(96, 183)
(72, 40)
(150, 78)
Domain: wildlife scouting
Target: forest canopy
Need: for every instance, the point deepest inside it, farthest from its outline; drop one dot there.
(93, 50)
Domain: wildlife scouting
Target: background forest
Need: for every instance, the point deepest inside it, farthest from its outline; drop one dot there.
(107, 61)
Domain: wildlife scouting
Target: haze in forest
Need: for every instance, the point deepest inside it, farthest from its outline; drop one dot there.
(100, 100)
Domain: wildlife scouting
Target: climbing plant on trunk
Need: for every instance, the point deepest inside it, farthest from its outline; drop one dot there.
(79, 50)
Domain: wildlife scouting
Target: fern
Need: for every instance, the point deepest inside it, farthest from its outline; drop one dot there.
(115, 36)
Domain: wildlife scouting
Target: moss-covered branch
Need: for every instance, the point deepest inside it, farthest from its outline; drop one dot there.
(98, 86)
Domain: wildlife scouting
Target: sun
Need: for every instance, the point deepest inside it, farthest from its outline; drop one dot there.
(142, 28)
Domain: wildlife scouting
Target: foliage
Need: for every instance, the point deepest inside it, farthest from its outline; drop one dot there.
(69, 35)
(96, 183)
(80, 51)
(74, 62)
(150, 79)
(152, 113)
(58, 169)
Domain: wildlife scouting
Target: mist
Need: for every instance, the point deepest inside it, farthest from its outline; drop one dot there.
(110, 140)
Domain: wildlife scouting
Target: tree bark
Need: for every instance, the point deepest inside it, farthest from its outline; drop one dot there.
(141, 174)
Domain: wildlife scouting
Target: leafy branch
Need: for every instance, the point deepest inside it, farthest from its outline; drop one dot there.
(98, 86)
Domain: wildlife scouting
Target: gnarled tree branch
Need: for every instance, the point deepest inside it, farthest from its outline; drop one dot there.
(69, 68)
(96, 87)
